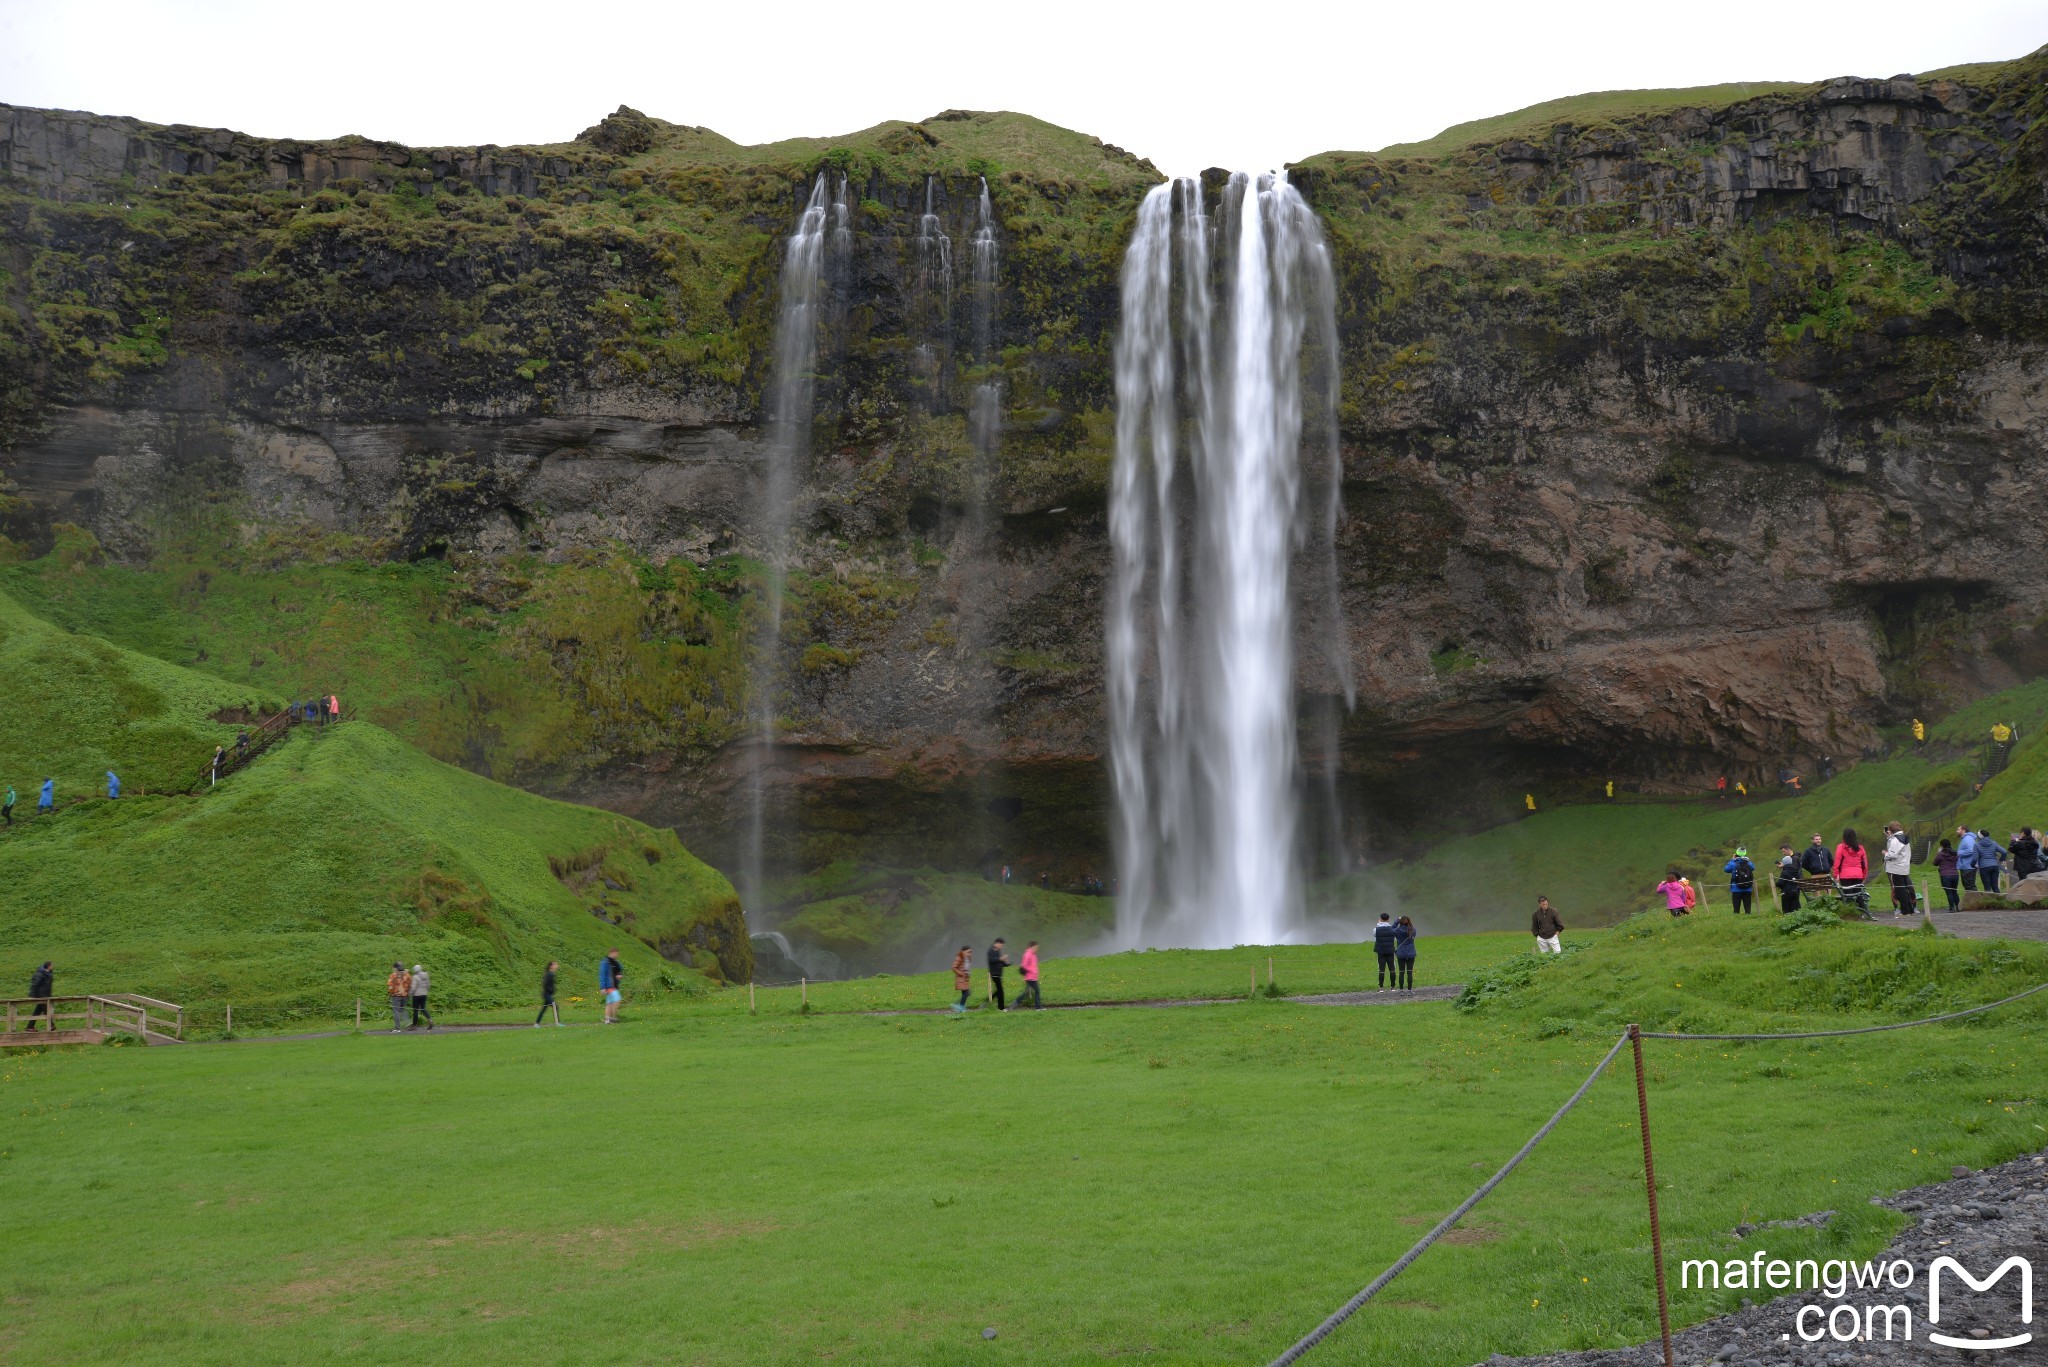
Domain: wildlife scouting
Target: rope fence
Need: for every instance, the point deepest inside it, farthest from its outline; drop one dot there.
(1633, 1035)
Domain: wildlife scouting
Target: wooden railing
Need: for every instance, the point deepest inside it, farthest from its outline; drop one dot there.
(261, 737)
(92, 1017)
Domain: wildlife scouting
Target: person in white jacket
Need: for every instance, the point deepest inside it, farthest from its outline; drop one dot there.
(1898, 865)
(420, 987)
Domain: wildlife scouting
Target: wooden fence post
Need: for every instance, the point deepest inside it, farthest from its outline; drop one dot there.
(231, 1020)
(359, 1015)
(1269, 970)
(804, 986)
(1635, 1035)
(750, 996)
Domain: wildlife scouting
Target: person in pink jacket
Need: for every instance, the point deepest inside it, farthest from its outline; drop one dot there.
(1030, 967)
(1852, 867)
(1675, 889)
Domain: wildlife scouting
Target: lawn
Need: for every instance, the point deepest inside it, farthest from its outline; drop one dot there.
(1185, 1186)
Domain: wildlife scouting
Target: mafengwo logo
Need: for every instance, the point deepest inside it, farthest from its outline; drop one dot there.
(1880, 1314)
(2014, 1263)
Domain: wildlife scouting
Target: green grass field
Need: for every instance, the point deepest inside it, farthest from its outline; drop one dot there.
(290, 888)
(1184, 1186)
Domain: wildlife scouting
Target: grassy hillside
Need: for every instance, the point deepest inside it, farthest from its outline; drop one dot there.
(1586, 111)
(293, 885)
(1720, 973)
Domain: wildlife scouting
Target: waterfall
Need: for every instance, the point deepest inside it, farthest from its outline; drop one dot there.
(984, 416)
(792, 392)
(1226, 326)
(934, 257)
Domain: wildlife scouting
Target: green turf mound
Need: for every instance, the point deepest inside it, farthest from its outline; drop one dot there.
(78, 706)
(1729, 974)
(292, 886)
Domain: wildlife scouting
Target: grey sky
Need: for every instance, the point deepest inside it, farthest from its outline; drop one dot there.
(1190, 85)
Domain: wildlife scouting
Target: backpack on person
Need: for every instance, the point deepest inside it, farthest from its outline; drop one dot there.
(1743, 876)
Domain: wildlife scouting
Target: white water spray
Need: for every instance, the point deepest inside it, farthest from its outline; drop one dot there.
(984, 415)
(934, 257)
(1206, 521)
(792, 394)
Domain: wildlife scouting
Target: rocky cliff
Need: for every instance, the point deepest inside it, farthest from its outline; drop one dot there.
(1679, 441)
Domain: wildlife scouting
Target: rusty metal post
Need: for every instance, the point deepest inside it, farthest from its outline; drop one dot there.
(1635, 1039)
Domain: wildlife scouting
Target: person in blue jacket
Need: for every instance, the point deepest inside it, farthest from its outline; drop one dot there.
(1966, 857)
(113, 784)
(1990, 856)
(1383, 950)
(1404, 952)
(1741, 882)
(48, 801)
(611, 974)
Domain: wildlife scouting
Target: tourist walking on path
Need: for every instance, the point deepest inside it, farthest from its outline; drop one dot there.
(419, 987)
(1816, 862)
(547, 997)
(42, 985)
(1741, 882)
(997, 962)
(333, 707)
(1028, 967)
(1674, 890)
(1692, 895)
(1852, 869)
(1546, 925)
(7, 806)
(1990, 860)
(1788, 880)
(399, 988)
(1966, 857)
(611, 979)
(2026, 850)
(46, 803)
(1945, 869)
(1404, 951)
(1383, 950)
(113, 784)
(1898, 867)
(963, 977)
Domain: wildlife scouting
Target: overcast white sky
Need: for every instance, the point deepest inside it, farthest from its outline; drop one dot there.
(1189, 85)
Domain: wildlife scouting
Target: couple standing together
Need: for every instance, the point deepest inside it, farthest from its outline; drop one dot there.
(1393, 944)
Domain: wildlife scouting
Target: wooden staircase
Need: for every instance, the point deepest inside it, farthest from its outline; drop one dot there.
(90, 1020)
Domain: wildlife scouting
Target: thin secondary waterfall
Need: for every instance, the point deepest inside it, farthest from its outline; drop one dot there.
(792, 393)
(1226, 325)
(934, 257)
(984, 415)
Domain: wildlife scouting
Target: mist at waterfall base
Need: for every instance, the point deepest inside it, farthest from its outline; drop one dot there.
(1223, 512)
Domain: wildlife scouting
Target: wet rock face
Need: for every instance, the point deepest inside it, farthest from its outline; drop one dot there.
(1681, 445)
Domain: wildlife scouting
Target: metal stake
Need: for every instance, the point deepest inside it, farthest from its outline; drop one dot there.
(1635, 1039)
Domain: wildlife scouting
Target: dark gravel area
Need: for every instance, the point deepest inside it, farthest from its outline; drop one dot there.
(1980, 1219)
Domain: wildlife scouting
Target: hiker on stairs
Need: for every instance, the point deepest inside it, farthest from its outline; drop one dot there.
(41, 987)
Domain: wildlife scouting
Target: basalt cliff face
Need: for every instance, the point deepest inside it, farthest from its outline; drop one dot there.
(1685, 441)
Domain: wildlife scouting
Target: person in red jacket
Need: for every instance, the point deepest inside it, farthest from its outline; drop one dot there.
(1852, 867)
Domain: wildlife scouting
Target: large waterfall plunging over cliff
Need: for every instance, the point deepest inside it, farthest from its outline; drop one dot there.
(1228, 323)
(791, 396)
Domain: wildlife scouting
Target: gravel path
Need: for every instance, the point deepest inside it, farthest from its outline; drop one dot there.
(1444, 993)
(1995, 925)
(1980, 1220)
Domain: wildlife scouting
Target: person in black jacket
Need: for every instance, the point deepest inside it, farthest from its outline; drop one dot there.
(997, 962)
(2025, 849)
(1818, 859)
(547, 996)
(42, 987)
(1383, 950)
(1788, 880)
